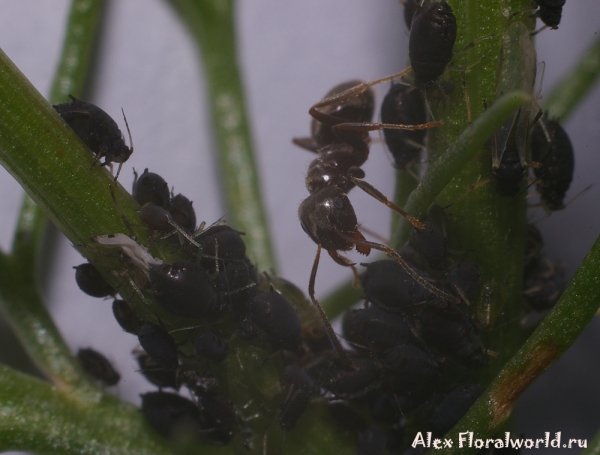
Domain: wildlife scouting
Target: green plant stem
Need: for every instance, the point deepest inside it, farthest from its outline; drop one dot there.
(574, 86)
(34, 417)
(212, 25)
(21, 300)
(449, 164)
(556, 333)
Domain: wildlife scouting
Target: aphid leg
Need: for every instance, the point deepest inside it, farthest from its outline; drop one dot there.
(372, 191)
(311, 292)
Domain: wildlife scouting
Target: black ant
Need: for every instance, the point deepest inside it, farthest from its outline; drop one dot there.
(327, 215)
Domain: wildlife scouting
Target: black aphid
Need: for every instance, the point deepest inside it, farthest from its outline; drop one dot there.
(183, 213)
(97, 130)
(169, 412)
(404, 104)
(555, 162)
(277, 318)
(209, 345)
(91, 282)
(126, 317)
(550, 11)
(151, 188)
(155, 373)
(97, 366)
(432, 36)
(454, 406)
(299, 387)
(184, 289)
(159, 345)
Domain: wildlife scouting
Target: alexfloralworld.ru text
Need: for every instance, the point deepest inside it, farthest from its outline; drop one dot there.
(468, 439)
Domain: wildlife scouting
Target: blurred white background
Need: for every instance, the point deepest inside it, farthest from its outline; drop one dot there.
(291, 54)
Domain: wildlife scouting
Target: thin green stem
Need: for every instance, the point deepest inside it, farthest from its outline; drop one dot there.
(38, 419)
(556, 333)
(212, 25)
(572, 88)
(449, 164)
(21, 300)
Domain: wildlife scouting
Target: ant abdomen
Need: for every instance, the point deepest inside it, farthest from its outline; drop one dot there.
(327, 213)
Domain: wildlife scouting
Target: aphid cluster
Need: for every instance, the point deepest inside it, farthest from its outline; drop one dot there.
(213, 289)
(409, 347)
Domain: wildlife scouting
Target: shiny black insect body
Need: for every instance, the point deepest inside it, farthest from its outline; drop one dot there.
(544, 284)
(97, 366)
(97, 130)
(342, 382)
(387, 285)
(357, 109)
(411, 368)
(155, 373)
(184, 289)
(550, 11)
(555, 160)
(183, 212)
(404, 104)
(432, 36)
(151, 188)
(159, 345)
(454, 406)
(91, 282)
(168, 412)
(126, 317)
(327, 215)
(210, 346)
(300, 387)
(277, 318)
(448, 329)
(509, 168)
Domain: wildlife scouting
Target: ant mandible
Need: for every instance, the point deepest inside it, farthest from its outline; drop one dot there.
(327, 215)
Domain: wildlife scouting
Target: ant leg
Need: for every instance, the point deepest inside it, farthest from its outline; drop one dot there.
(311, 292)
(347, 94)
(414, 275)
(307, 143)
(372, 191)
